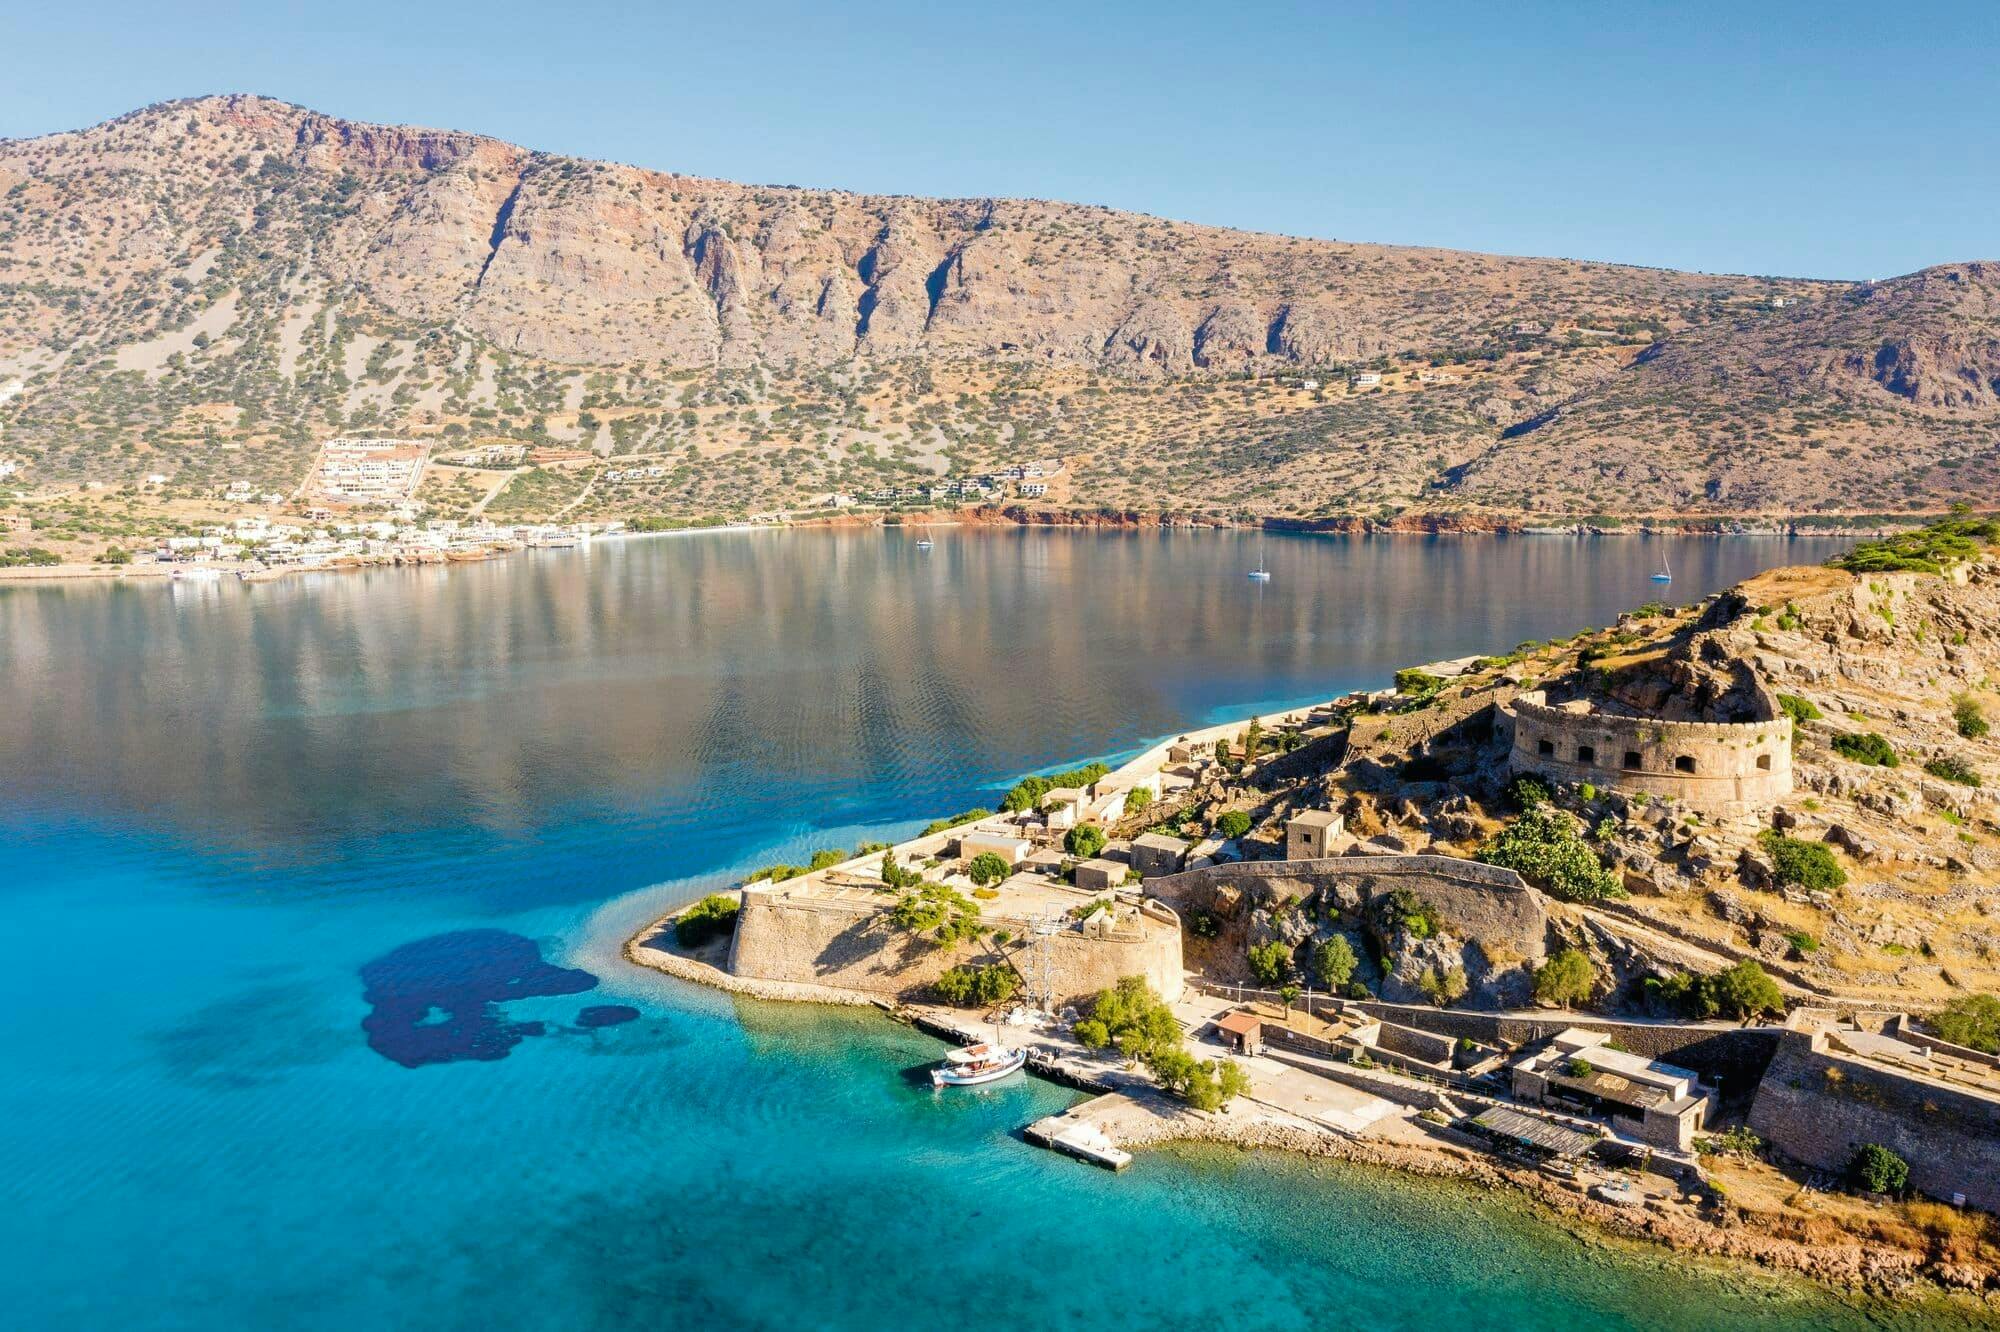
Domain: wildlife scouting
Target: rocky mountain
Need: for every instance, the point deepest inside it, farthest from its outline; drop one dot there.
(201, 290)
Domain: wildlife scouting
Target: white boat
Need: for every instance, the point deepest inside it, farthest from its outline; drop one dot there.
(1666, 573)
(1260, 574)
(984, 1062)
(924, 543)
(195, 574)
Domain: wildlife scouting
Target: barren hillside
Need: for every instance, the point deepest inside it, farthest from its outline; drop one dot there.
(201, 290)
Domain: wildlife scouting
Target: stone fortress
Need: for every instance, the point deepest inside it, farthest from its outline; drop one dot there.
(1722, 769)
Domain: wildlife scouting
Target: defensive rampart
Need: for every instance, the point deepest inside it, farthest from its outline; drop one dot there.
(1717, 768)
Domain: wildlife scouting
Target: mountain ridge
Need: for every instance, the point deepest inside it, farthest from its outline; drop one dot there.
(211, 280)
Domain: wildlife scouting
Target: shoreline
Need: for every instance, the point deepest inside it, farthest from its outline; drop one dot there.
(72, 572)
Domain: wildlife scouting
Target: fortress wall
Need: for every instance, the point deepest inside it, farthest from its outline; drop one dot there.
(852, 946)
(1817, 1107)
(1736, 767)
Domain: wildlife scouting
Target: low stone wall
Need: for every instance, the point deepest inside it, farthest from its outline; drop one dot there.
(1818, 1107)
(852, 946)
(1720, 768)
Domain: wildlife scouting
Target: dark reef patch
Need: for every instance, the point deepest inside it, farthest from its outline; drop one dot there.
(606, 1015)
(434, 1000)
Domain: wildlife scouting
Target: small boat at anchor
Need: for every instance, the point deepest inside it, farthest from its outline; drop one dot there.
(1666, 573)
(925, 543)
(976, 1064)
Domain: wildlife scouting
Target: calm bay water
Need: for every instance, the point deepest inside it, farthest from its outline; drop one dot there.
(237, 824)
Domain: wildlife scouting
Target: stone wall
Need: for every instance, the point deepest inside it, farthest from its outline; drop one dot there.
(1717, 768)
(852, 946)
(1817, 1107)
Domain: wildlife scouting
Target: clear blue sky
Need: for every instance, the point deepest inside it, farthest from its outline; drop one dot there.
(1823, 140)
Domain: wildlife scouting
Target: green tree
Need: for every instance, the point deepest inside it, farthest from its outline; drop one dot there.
(1138, 800)
(1805, 864)
(988, 867)
(1334, 962)
(1085, 840)
(1971, 1020)
(937, 912)
(1565, 979)
(1203, 1084)
(1131, 1016)
(1866, 747)
(978, 986)
(1233, 823)
(1443, 987)
(1270, 962)
(1745, 990)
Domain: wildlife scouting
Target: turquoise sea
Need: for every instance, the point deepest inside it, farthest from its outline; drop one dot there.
(314, 891)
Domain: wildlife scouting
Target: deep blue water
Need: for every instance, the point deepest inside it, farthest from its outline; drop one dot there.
(314, 892)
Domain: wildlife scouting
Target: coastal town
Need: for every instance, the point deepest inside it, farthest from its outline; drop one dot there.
(1685, 926)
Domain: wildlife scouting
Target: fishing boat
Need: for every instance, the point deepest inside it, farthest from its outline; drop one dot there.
(1666, 573)
(975, 1064)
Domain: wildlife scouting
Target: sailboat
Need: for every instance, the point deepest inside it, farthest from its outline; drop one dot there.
(1260, 574)
(1666, 573)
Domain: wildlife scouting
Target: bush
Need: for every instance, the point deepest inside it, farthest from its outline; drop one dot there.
(1799, 709)
(1027, 793)
(1443, 987)
(1270, 962)
(934, 911)
(1965, 711)
(956, 820)
(1971, 1020)
(1866, 747)
(978, 987)
(826, 859)
(1528, 791)
(987, 867)
(1138, 800)
(1926, 550)
(1233, 823)
(1745, 990)
(1802, 943)
(1334, 962)
(1951, 768)
(713, 916)
(1416, 684)
(1201, 924)
(1740, 1141)
(1579, 1068)
(1565, 979)
(1543, 847)
(1403, 909)
(896, 876)
(1804, 864)
(1876, 1169)
(1084, 841)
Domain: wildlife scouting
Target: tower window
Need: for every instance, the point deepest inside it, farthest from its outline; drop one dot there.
(1684, 764)
(1586, 753)
(1632, 758)
(1547, 747)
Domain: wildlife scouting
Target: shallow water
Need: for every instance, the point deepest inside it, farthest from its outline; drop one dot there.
(315, 890)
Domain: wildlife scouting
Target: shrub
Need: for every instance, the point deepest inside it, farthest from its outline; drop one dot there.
(1544, 848)
(1416, 684)
(1739, 1141)
(1799, 709)
(1965, 711)
(1805, 864)
(987, 867)
(1084, 841)
(934, 911)
(1926, 550)
(1270, 962)
(1802, 943)
(1138, 800)
(1866, 747)
(1201, 924)
(1233, 823)
(1876, 1169)
(1443, 987)
(1334, 962)
(1951, 768)
(1027, 793)
(956, 820)
(1579, 1068)
(776, 873)
(980, 987)
(713, 916)
(1565, 979)
(1403, 909)
(826, 859)
(1528, 791)
(1971, 1020)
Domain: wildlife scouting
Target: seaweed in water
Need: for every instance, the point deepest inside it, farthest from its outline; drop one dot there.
(436, 1000)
